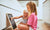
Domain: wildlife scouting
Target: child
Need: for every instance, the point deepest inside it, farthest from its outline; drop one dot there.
(32, 20)
(24, 16)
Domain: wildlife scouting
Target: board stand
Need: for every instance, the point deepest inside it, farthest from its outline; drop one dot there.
(8, 24)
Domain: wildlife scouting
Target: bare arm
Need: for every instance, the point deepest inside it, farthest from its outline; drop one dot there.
(16, 17)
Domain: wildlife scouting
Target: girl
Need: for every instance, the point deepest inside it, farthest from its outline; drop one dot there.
(24, 16)
(32, 20)
(32, 17)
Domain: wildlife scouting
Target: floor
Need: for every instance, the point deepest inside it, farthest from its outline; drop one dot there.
(43, 26)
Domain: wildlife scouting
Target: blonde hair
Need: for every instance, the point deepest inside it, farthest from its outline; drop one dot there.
(32, 7)
(25, 11)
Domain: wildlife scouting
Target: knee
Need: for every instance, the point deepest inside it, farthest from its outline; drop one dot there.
(27, 28)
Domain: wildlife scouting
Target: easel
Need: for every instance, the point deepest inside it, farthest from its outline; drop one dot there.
(8, 24)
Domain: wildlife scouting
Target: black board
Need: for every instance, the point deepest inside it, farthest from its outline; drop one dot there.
(12, 21)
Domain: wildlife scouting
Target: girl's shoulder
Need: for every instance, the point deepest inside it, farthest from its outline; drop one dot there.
(33, 14)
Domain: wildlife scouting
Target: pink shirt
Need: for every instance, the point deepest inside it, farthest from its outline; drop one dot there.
(32, 21)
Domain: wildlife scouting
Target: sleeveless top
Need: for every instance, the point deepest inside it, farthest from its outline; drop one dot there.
(25, 20)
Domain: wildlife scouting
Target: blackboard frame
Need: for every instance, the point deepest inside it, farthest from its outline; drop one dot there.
(10, 21)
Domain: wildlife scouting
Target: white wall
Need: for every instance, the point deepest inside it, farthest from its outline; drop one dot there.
(39, 9)
(3, 10)
(11, 3)
(46, 11)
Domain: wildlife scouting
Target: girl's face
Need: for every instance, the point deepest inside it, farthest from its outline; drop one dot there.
(28, 8)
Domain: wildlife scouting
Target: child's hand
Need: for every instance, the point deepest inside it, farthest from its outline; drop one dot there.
(11, 18)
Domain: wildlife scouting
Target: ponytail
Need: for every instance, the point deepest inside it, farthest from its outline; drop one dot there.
(35, 10)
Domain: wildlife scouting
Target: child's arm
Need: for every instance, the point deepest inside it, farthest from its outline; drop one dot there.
(16, 17)
(19, 17)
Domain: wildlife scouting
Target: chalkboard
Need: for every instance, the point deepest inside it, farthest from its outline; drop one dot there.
(12, 21)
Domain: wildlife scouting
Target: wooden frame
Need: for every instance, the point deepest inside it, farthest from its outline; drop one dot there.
(8, 23)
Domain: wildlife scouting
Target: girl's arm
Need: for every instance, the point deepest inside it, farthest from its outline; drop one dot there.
(16, 17)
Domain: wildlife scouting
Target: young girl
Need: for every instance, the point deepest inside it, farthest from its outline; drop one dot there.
(32, 20)
(24, 16)
(32, 17)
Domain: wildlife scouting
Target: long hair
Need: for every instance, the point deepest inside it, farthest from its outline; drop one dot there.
(32, 7)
